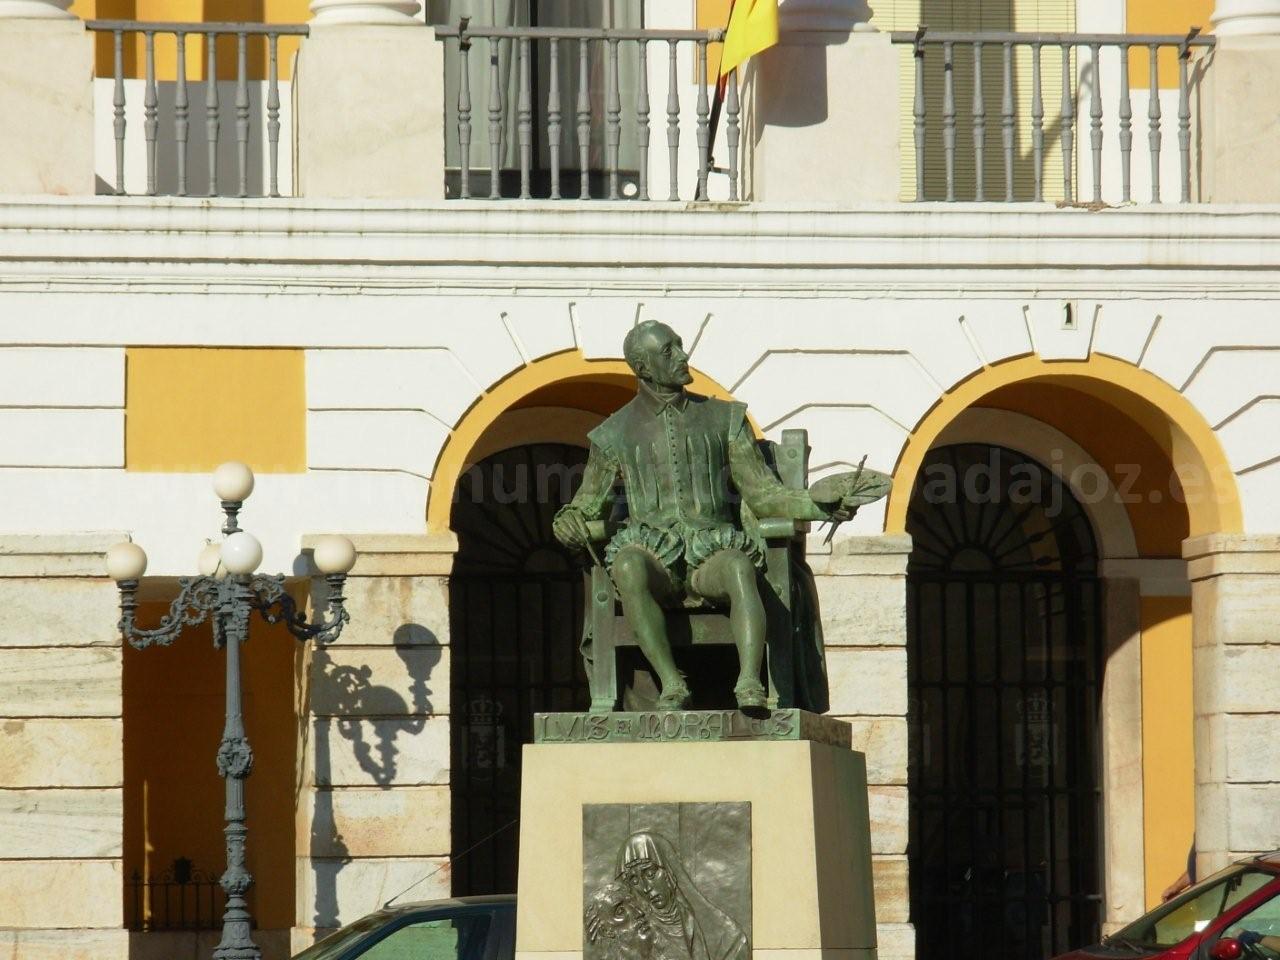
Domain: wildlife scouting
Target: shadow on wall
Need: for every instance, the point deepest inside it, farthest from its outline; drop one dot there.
(371, 718)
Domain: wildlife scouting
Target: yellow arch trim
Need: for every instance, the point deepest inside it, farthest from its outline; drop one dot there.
(504, 395)
(1169, 417)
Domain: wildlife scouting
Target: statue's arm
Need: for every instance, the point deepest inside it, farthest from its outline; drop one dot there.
(592, 498)
(764, 493)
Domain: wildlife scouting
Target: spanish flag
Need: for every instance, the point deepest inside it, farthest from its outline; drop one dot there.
(753, 26)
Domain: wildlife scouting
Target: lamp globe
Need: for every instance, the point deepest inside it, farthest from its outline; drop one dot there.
(126, 561)
(241, 553)
(233, 481)
(335, 554)
(210, 561)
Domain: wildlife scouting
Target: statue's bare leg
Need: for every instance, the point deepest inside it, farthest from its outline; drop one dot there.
(641, 581)
(730, 577)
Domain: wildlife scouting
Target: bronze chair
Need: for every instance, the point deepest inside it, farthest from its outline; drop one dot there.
(699, 622)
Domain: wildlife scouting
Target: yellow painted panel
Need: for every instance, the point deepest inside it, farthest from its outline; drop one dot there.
(712, 15)
(190, 409)
(1168, 751)
(173, 713)
(195, 11)
(1162, 16)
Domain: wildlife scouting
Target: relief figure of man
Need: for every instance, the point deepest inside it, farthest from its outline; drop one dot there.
(685, 461)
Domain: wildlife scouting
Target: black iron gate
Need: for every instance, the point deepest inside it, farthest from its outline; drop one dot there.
(515, 607)
(1004, 670)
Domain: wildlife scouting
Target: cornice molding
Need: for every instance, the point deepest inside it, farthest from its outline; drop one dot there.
(146, 240)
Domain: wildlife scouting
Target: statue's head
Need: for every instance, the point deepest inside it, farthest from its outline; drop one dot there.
(643, 868)
(656, 355)
(617, 924)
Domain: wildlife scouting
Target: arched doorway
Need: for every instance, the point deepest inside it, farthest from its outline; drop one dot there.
(515, 607)
(1004, 672)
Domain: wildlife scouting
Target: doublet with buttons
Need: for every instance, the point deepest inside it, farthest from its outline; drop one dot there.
(685, 462)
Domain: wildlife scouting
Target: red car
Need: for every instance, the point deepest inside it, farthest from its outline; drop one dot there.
(1233, 915)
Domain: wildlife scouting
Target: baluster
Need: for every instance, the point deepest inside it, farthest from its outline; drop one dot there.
(181, 110)
(613, 117)
(919, 113)
(150, 124)
(242, 111)
(673, 120)
(1095, 120)
(732, 111)
(273, 111)
(464, 114)
(1126, 128)
(524, 121)
(495, 119)
(979, 125)
(949, 116)
(704, 121)
(211, 111)
(584, 121)
(1184, 122)
(1153, 121)
(642, 116)
(553, 118)
(1037, 123)
(1006, 121)
(117, 101)
(1068, 127)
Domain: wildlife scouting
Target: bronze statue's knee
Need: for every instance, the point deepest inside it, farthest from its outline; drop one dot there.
(631, 569)
(738, 568)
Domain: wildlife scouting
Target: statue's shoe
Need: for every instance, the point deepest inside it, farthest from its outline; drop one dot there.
(674, 697)
(750, 695)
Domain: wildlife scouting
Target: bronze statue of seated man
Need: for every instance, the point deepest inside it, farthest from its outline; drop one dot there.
(685, 460)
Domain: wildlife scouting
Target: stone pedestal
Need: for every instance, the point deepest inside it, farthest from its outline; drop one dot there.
(46, 100)
(61, 754)
(809, 847)
(370, 112)
(1235, 595)
(822, 119)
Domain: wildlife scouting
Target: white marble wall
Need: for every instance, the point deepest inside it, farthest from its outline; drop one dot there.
(852, 324)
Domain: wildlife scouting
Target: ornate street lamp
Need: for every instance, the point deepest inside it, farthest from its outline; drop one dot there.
(227, 592)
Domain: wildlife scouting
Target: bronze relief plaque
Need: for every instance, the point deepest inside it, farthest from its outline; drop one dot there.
(666, 881)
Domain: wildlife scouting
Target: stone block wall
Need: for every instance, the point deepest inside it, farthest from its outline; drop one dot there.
(374, 809)
(1235, 584)
(61, 751)
(862, 596)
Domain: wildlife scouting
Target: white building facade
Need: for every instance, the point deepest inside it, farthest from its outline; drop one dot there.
(1056, 686)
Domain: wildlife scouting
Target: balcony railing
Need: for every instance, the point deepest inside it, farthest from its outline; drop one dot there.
(528, 84)
(565, 113)
(965, 83)
(216, 161)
